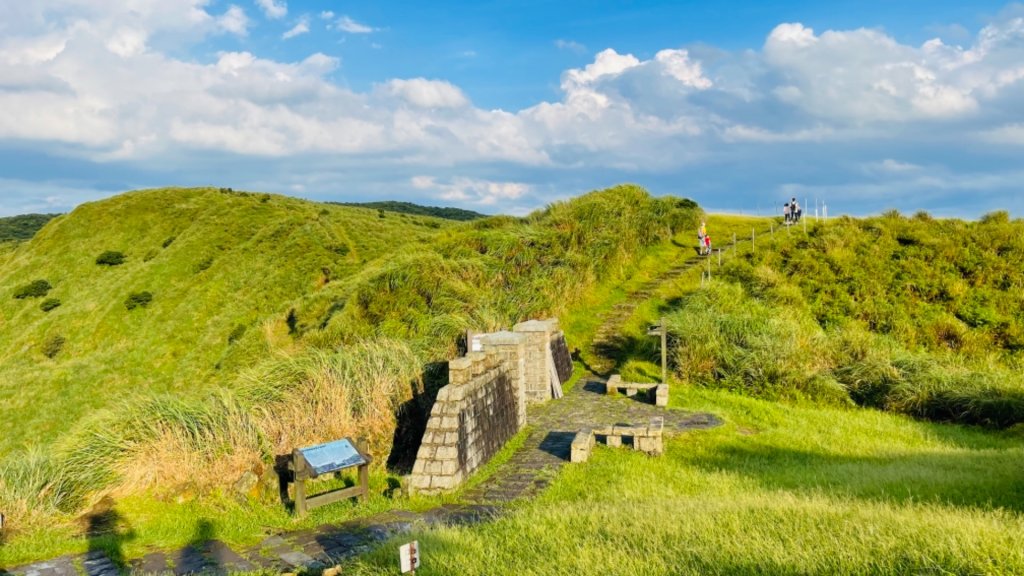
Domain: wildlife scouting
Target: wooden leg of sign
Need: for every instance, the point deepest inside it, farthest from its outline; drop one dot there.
(364, 482)
(300, 485)
(664, 351)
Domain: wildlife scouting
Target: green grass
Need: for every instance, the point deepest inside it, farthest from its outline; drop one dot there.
(777, 490)
(262, 255)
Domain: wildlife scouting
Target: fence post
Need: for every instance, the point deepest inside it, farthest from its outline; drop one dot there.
(751, 239)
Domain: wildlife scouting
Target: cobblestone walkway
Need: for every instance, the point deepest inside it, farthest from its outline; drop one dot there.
(529, 471)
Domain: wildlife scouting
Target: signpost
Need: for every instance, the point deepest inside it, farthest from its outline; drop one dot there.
(409, 557)
(662, 330)
(311, 462)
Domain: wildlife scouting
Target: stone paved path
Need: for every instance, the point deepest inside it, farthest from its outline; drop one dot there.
(529, 471)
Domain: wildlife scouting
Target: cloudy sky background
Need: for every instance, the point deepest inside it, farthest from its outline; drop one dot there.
(507, 106)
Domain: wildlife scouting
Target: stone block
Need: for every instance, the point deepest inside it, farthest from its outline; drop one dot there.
(449, 467)
(447, 453)
(449, 423)
(442, 482)
(661, 395)
(419, 467)
(614, 441)
(420, 481)
(611, 387)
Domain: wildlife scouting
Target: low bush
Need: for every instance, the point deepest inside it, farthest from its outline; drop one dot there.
(49, 304)
(236, 334)
(52, 347)
(202, 265)
(138, 300)
(168, 241)
(34, 289)
(110, 258)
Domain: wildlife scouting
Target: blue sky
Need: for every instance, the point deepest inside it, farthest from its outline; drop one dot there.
(506, 106)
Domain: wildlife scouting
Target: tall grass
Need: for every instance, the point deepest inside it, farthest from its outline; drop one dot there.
(166, 444)
(772, 347)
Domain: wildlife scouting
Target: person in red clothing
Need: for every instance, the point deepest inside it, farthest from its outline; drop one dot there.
(707, 244)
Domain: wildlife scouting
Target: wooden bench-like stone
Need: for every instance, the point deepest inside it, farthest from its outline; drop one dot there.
(616, 383)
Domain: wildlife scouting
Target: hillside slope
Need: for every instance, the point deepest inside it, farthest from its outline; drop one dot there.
(22, 227)
(217, 263)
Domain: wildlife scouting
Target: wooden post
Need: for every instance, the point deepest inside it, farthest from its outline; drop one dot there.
(751, 239)
(719, 257)
(709, 269)
(664, 351)
(734, 239)
(299, 469)
(771, 227)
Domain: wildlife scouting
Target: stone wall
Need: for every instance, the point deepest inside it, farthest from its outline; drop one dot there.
(474, 415)
(484, 403)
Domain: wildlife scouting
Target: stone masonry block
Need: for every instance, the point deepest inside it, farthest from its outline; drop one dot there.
(420, 481)
(656, 426)
(661, 395)
(611, 387)
(447, 453)
(614, 441)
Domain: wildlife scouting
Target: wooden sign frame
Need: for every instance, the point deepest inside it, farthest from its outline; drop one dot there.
(303, 471)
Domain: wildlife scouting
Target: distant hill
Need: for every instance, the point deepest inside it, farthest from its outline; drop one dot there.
(23, 227)
(447, 213)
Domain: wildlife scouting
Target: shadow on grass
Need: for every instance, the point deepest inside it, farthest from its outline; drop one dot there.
(625, 347)
(984, 479)
(107, 532)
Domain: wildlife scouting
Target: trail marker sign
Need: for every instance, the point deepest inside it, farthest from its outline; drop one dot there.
(409, 557)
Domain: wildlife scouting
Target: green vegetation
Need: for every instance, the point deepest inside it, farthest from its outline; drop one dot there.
(16, 228)
(912, 315)
(777, 490)
(49, 304)
(110, 258)
(355, 339)
(138, 300)
(267, 255)
(446, 213)
(34, 289)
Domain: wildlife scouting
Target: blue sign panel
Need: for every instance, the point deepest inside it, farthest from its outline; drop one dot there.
(332, 456)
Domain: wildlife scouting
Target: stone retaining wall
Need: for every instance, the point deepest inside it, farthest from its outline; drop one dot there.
(473, 416)
(484, 403)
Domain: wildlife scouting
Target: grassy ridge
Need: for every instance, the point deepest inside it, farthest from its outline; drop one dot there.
(446, 212)
(218, 266)
(910, 315)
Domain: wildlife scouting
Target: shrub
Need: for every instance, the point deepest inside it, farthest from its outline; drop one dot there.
(203, 265)
(53, 346)
(236, 334)
(110, 258)
(138, 300)
(170, 240)
(49, 304)
(34, 289)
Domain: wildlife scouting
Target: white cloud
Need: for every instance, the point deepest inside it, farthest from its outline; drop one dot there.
(469, 190)
(809, 109)
(273, 9)
(424, 93)
(347, 24)
(327, 15)
(302, 27)
(234, 21)
(570, 46)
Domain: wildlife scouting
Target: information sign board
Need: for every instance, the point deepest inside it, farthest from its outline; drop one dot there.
(332, 456)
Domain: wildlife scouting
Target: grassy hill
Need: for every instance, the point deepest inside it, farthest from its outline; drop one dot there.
(912, 315)
(204, 332)
(22, 227)
(218, 265)
(446, 212)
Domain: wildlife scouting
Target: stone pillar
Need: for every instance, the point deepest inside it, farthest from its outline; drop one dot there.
(511, 349)
(538, 364)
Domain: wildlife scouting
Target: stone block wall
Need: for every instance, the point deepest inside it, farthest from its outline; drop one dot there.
(478, 411)
(484, 403)
(540, 364)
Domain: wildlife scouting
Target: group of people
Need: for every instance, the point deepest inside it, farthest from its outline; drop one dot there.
(792, 212)
(703, 240)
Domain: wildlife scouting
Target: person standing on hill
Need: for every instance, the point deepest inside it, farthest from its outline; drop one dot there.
(707, 245)
(702, 232)
(785, 212)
